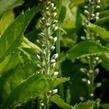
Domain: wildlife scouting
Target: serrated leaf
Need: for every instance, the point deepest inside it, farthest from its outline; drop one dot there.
(85, 48)
(6, 20)
(4, 5)
(99, 30)
(28, 89)
(21, 72)
(59, 101)
(14, 33)
(58, 81)
(76, 2)
(29, 49)
(86, 105)
(8, 63)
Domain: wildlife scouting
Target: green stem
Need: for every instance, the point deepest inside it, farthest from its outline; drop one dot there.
(61, 89)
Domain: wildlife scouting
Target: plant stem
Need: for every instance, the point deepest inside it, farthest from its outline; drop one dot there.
(58, 50)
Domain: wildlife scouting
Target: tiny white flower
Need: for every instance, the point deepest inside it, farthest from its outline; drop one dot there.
(53, 47)
(97, 58)
(81, 98)
(56, 55)
(52, 4)
(54, 8)
(91, 94)
(38, 65)
(84, 79)
(88, 81)
(55, 39)
(85, 6)
(91, 71)
(97, 17)
(54, 64)
(97, 70)
(83, 38)
(53, 60)
(42, 104)
(86, 11)
(98, 6)
(55, 91)
(98, 1)
(98, 84)
(97, 14)
(55, 14)
(38, 57)
(56, 73)
(56, 27)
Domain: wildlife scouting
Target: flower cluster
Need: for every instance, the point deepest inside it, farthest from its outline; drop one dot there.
(91, 11)
(49, 25)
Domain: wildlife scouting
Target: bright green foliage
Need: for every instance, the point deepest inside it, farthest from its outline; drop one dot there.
(28, 89)
(85, 48)
(86, 105)
(75, 3)
(10, 4)
(6, 20)
(14, 33)
(58, 81)
(99, 30)
(60, 102)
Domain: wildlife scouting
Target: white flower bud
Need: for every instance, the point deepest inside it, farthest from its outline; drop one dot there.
(91, 71)
(88, 82)
(98, 84)
(55, 14)
(54, 64)
(81, 98)
(98, 6)
(55, 91)
(86, 12)
(83, 70)
(53, 60)
(98, 1)
(52, 4)
(56, 56)
(38, 57)
(56, 73)
(91, 94)
(56, 27)
(55, 39)
(38, 65)
(53, 47)
(83, 38)
(97, 58)
(84, 79)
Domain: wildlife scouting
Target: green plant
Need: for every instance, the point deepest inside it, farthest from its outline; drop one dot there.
(54, 54)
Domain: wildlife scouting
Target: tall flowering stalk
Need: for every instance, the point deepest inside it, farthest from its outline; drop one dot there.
(48, 38)
(91, 11)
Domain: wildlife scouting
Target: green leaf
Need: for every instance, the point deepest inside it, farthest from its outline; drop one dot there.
(14, 33)
(59, 101)
(76, 2)
(86, 105)
(4, 5)
(58, 81)
(29, 49)
(21, 72)
(104, 106)
(99, 30)
(85, 48)
(70, 15)
(8, 63)
(28, 89)
(6, 20)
